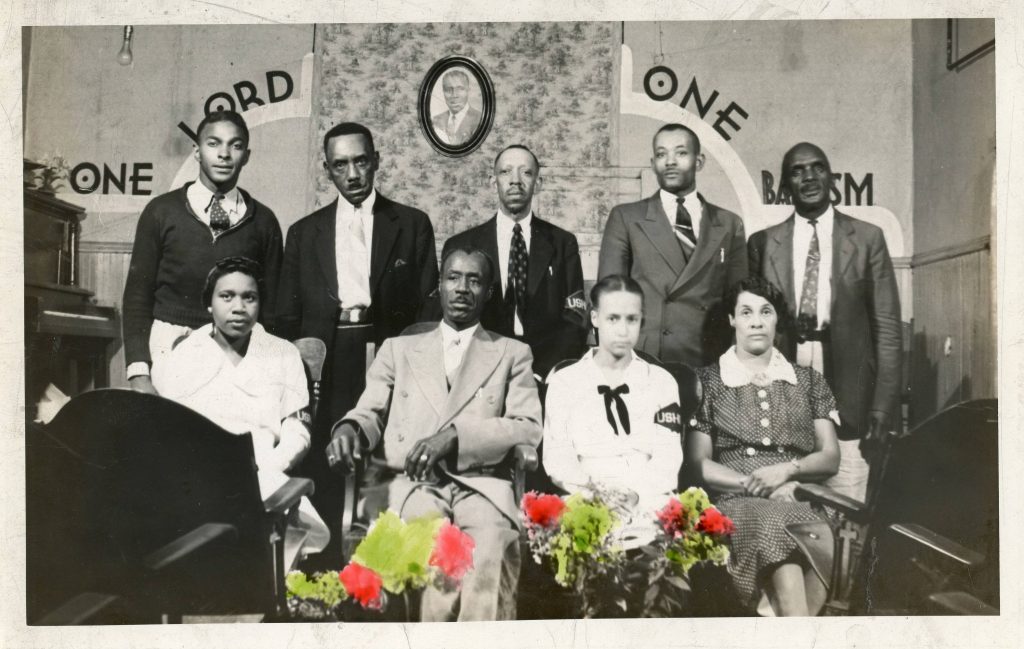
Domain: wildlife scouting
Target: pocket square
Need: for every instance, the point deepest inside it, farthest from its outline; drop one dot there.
(400, 262)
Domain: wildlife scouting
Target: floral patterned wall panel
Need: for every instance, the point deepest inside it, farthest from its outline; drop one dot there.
(553, 86)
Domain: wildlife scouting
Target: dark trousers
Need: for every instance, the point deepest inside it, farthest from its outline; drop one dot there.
(343, 382)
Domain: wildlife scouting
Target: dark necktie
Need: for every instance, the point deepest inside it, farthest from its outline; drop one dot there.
(615, 396)
(219, 220)
(515, 291)
(807, 319)
(684, 229)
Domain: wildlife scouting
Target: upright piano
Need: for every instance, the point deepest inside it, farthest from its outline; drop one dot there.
(67, 335)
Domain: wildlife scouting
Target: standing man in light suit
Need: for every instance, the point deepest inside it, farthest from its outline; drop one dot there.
(683, 251)
(841, 289)
(448, 403)
(355, 272)
(459, 122)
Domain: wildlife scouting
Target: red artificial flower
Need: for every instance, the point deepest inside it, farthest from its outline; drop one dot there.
(715, 522)
(453, 551)
(542, 509)
(673, 518)
(362, 584)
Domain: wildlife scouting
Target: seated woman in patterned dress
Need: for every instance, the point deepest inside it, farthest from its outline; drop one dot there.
(764, 426)
(601, 426)
(246, 380)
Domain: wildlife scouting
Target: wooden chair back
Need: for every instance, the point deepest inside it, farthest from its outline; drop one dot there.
(119, 474)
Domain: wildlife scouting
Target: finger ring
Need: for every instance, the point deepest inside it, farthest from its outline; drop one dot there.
(424, 458)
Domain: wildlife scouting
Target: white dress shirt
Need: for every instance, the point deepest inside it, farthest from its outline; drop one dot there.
(455, 345)
(505, 226)
(200, 198)
(692, 204)
(453, 122)
(811, 354)
(580, 446)
(352, 252)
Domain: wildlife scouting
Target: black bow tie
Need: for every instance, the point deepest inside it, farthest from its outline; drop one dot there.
(615, 395)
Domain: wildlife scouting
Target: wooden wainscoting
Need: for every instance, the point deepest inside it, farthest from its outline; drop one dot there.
(103, 267)
(954, 345)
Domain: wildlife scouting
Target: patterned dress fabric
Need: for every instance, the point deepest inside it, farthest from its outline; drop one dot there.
(754, 426)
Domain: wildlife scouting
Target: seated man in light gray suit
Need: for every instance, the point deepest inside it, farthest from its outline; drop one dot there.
(448, 402)
(457, 124)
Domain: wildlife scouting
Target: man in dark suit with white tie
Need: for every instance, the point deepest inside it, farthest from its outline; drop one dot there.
(684, 251)
(838, 279)
(538, 293)
(355, 272)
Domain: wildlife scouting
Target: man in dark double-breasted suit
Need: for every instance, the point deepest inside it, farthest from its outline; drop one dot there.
(838, 279)
(683, 251)
(537, 296)
(355, 272)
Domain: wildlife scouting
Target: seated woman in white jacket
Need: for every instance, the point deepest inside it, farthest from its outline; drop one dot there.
(245, 380)
(601, 424)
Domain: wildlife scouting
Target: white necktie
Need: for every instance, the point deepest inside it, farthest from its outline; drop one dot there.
(452, 359)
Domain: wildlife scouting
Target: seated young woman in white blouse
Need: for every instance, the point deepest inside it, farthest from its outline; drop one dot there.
(246, 380)
(601, 415)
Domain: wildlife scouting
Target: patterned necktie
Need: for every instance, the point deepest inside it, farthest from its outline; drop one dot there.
(219, 220)
(515, 291)
(451, 129)
(615, 396)
(807, 320)
(684, 229)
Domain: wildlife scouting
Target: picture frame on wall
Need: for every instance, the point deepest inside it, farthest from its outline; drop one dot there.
(456, 105)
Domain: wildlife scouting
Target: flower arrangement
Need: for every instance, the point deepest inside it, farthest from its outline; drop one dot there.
(693, 530)
(577, 536)
(394, 558)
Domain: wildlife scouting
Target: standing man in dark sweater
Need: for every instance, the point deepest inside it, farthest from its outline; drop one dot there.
(181, 234)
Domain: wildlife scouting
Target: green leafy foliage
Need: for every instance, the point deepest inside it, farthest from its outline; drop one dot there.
(398, 551)
(315, 597)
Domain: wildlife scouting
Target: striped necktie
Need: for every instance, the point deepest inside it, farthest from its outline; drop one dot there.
(684, 229)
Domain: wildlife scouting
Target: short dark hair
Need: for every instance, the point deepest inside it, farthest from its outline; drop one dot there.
(456, 72)
(675, 126)
(468, 249)
(613, 283)
(348, 128)
(224, 116)
(784, 170)
(763, 288)
(229, 265)
(523, 147)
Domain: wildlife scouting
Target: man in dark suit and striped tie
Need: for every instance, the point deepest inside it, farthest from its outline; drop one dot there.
(684, 251)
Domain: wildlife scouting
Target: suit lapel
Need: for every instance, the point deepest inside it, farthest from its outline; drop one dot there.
(427, 362)
(385, 231)
(656, 226)
(779, 251)
(325, 247)
(478, 364)
(844, 248)
(541, 251)
(712, 231)
(489, 244)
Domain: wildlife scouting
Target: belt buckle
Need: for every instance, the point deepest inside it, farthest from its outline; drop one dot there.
(353, 315)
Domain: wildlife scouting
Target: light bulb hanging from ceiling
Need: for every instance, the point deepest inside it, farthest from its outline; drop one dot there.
(124, 57)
